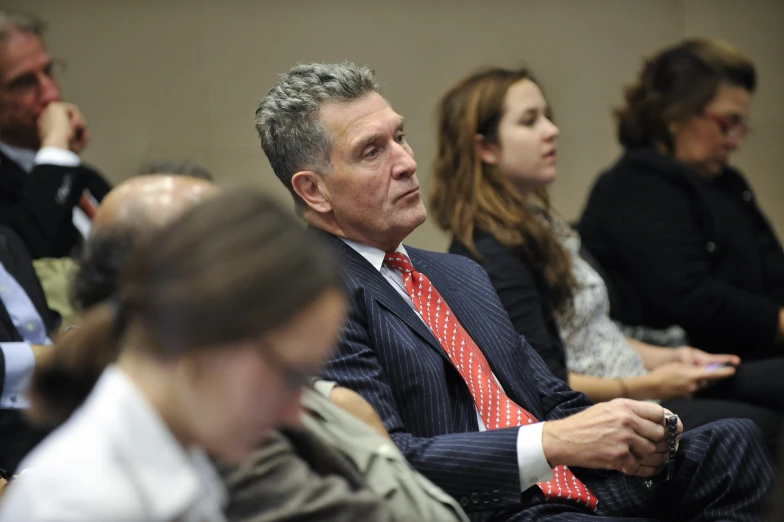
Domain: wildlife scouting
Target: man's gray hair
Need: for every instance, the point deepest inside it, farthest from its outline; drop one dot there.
(15, 20)
(287, 120)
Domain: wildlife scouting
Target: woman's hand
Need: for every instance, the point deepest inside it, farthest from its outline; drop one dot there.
(677, 379)
(695, 357)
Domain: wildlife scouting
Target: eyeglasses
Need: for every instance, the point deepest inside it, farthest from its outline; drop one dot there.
(294, 377)
(731, 127)
(31, 81)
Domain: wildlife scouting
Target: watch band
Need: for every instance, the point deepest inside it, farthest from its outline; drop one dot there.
(671, 423)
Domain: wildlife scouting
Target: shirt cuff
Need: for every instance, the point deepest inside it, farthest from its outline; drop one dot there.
(19, 366)
(530, 456)
(57, 156)
(324, 387)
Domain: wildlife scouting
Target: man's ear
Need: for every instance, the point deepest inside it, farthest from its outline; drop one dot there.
(310, 187)
(487, 152)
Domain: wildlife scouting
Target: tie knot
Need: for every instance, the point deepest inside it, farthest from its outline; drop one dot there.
(399, 261)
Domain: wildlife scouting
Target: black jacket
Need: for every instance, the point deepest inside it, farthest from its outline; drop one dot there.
(38, 205)
(523, 294)
(16, 436)
(683, 250)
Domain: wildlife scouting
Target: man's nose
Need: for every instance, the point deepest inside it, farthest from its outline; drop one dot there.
(405, 164)
(49, 89)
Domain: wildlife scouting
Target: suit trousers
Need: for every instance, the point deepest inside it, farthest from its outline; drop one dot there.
(723, 471)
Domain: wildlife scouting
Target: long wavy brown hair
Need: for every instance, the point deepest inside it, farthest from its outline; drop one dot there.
(469, 194)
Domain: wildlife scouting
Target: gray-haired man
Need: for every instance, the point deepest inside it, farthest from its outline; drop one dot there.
(46, 195)
(340, 149)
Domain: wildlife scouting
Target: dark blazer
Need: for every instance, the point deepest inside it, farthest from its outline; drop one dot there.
(38, 205)
(16, 436)
(683, 250)
(523, 292)
(17, 261)
(388, 355)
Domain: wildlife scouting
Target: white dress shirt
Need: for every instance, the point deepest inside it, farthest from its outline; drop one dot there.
(531, 460)
(114, 460)
(18, 356)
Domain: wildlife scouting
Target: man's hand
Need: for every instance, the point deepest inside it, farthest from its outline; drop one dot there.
(695, 357)
(62, 125)
(623, 435)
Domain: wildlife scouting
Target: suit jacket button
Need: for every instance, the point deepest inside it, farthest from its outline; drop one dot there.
(475, 498)
(485, 498)
(746, 196)
(464, 501)
(710, 246)
(496, 495)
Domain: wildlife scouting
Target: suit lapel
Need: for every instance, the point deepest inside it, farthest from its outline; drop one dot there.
(13, 177)
(366, 276)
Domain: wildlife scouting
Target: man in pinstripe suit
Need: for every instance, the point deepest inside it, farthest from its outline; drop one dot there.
(340, 149)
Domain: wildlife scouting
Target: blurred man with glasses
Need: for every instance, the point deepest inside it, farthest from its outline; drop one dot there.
(46, 195)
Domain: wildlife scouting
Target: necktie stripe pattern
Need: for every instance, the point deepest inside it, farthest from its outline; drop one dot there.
(469, 360)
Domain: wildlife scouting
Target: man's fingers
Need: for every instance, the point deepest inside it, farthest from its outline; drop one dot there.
(647, 410)
(662, 447)
(655, 460)
(653, 431)
(641, 447)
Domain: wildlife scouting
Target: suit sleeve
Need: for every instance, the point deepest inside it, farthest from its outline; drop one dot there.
(460, 463)
(275, 484)
(42, 213)
(663, 250)
(515, 285)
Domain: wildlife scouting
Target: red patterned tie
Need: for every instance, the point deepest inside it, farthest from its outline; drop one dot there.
(495, 407)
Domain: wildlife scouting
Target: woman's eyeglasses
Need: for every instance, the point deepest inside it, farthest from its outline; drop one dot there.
(731, 127)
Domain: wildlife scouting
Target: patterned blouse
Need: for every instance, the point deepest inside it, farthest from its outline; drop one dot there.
(594, 344)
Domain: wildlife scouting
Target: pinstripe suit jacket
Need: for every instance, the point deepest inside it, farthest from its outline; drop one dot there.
(388, 355)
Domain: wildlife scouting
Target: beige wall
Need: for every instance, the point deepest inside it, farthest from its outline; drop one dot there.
(181, 79)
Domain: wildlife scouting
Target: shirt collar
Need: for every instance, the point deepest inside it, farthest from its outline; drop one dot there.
(172, 479)
(375, 256)
(25, 158)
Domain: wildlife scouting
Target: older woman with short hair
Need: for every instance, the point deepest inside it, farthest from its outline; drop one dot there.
(676, 228)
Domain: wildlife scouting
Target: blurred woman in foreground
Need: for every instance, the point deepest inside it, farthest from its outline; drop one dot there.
(220, 319)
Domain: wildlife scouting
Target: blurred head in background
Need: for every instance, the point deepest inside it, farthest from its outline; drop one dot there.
(692, 101)
(173, 168)
(219, 318)
(28, 78)
(134, 209)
